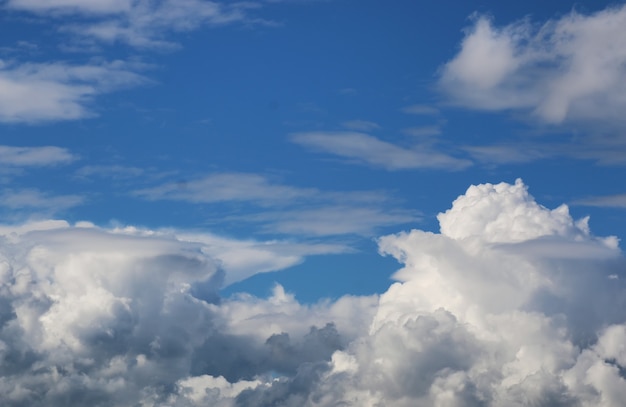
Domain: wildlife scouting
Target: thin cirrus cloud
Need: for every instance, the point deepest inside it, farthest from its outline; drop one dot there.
(227, 187)
(304, 211)
(35, 199)
(44, 156)
(365, 149)
(44, 92)
(360, 125)
(142, 23)
(605, 201)
(568, 70)
(455, 328)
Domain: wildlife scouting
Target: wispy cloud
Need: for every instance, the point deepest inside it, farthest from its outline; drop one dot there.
(360, 125)
(40, 92)
(34, 156)
(29, 203)
(140, 23)
(303, 211)
(422, 131)
(227, 187)
(365, 149)
(420, 110)
(605, 201)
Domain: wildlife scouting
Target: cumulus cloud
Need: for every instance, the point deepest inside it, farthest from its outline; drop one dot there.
(566, 70)
(366, 149)
(510, 304)
(41, 92)
(126, 316)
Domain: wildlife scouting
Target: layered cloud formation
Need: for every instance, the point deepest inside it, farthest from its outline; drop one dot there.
(511, 304)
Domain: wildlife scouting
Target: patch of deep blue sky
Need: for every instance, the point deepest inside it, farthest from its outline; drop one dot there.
(228, 99)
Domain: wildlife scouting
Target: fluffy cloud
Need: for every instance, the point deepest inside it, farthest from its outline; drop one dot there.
(566, 70)
(511, 304)
(39, 92)
(363, 148)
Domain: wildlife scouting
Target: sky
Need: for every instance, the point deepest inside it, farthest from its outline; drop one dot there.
(312, 203)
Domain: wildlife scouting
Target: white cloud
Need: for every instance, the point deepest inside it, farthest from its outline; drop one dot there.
(120, 317)
(141, 23)
(34, 156)
(39, 92)
(511, 304)
(222, 187)
(333, 220)
(363, 148)
(19, 200)
(94, 6)
(566, 70)
(303, 211)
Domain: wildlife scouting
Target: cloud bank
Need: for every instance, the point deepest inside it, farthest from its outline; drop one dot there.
(511, 304)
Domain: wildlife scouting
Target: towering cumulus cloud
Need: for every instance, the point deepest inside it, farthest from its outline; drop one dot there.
(511, 304)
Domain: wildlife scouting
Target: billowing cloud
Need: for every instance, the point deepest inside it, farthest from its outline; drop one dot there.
(566, 70)
(40, 92)
(366, 149)
(126, 316)
(497, 309)
(510, 304)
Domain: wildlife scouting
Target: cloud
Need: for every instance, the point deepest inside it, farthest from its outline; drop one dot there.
(570, 70)
(333, 220)
(43, 204)
(34, 156)
(42, 92)
(126, 316)
(366, 149)
(510, 304)
(303, 211)
(360, 125)
(606, 201)
(478, 317)
(422, 131)
(420, 110)
(223, 187)
(143, 23)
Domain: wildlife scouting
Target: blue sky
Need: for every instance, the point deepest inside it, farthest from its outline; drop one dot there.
(301, 151)
(318, 123)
